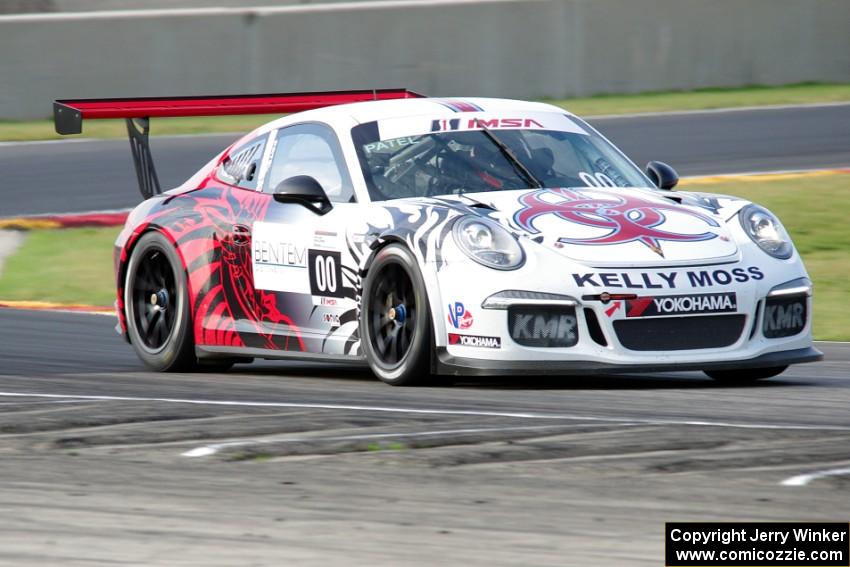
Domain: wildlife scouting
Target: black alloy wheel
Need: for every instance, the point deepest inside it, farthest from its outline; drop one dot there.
(393, 313)
(395, 322)
(156, 301)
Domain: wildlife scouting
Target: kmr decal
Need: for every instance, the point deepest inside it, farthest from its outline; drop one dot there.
(668, 280)
(626, 218)
(784, 317)
(681, 304)
(279, 258)
(459, 317)
(475, 341)
(542, 327)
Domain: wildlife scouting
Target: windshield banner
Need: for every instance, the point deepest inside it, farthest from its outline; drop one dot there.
(419, 125)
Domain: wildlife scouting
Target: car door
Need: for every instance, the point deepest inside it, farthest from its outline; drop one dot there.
(305, 276)
(217, 247)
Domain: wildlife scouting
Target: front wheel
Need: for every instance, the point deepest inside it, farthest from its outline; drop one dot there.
(745, 376)
(395, 320)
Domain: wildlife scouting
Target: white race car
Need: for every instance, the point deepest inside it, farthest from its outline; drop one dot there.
(430, 236)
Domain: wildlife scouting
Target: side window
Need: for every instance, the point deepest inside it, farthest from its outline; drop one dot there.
(242, 166)
(310, 149)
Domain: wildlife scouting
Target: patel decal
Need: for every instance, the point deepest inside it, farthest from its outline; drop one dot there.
(627, 218)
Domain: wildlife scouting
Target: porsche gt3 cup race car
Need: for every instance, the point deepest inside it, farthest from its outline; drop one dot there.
(428, 236)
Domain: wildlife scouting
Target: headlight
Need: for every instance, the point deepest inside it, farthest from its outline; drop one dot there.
(488, 243)
(766, 231)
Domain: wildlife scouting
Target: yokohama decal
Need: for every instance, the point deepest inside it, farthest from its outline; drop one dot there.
(475, 341)
(626, 218)
(681, 305)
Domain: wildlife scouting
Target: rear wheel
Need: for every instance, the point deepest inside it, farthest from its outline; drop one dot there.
(395, 321)
(745, 376)
(157, 303)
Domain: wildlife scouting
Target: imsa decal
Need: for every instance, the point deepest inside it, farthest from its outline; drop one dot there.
(660, 306)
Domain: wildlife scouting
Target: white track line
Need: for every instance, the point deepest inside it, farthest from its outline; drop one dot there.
(438, 411)
(804, 479)
(214, 448)
(74, 401)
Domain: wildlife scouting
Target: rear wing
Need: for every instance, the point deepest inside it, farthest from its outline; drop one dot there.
(68, 115)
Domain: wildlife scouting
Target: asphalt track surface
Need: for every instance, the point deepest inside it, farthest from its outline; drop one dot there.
(105, 463)
(303, 464)
(70, 176)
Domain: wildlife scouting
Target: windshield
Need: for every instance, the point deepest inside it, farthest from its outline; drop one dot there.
(488, 156)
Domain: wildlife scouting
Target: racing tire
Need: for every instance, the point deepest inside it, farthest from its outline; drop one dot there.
(745, 376)
(395, 320)
(156, 300)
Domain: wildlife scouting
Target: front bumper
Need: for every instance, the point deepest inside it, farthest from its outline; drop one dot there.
(463, 366)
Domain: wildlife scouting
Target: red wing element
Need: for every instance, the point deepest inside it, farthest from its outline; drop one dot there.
(68, 115)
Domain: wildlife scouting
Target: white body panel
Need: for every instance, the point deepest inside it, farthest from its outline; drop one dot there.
(697, 247)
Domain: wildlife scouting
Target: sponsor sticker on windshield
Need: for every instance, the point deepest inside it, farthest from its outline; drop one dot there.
(665, 305)
(404, 128)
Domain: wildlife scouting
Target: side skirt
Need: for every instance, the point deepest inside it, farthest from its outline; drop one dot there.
(206, 352)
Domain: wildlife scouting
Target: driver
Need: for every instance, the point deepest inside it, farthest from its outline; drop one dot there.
(492, 167)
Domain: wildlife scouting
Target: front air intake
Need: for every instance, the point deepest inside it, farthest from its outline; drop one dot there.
(680, 333)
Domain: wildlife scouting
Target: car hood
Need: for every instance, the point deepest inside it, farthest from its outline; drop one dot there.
(616, 226)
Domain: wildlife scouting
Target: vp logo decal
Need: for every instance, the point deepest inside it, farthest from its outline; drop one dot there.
(627, 218)
(459, 317)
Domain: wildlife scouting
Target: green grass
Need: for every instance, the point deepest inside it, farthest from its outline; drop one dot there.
(67, 266)
(43, 129)
(814, 210)
(706, 99)
(602, 104)
(75, 265)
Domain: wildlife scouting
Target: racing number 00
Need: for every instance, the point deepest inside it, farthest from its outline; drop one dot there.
(325, 273)
(324, 267)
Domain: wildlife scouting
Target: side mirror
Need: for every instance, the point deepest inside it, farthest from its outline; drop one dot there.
(305, 190)
(664, 176)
